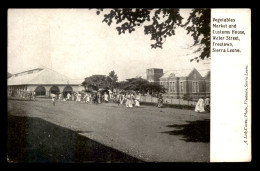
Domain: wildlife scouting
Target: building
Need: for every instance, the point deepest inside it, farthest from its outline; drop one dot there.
(207, 82)
(154, 74)
(43, 81)
(185, 84)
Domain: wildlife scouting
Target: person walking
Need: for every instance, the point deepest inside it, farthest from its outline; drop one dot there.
(106, 97)
(200, 105)
(160, 101)
(68, 96)
(207, 104)
(73, 96)
(78, 97)
(128, 100)
(118, 98)
(53, 98)
(99, 97)
(88, 97)
(60, 95)
(132, 100)
(95, 98)
(122, 98)
(34, 95)
(137, 100)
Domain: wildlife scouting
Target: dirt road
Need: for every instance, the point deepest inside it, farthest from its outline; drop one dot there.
(147, 133)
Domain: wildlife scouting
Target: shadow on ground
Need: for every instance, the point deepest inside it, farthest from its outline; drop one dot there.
(20, 99)
(193, 131)
(36, 140)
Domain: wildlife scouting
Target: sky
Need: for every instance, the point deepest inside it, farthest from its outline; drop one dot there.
(76, 43)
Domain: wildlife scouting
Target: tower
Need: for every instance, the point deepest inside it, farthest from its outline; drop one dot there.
(153, 74)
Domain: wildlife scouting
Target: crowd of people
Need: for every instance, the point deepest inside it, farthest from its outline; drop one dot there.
(98, 97)
(22, 93)
(129, 99)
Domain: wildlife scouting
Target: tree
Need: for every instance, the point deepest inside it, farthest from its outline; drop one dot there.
(141, 85)
(156, 88)
(96, 82)
(161, 23)
(112, 80)
(199, 29)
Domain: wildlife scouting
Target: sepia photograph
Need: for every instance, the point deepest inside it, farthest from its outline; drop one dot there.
(113, 85)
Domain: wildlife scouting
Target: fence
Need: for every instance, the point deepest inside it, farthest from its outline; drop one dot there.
(151, 99)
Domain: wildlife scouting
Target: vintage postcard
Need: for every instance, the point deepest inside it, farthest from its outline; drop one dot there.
(129, 85)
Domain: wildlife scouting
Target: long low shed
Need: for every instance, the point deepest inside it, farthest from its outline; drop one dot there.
(43, 81)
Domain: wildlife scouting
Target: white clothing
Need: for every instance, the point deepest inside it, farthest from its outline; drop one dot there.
(137, 103)
(206, 101)
(106, 97)
(68, 96)
(128, 101)
(200, 106)
(122, 98)
(78, 97)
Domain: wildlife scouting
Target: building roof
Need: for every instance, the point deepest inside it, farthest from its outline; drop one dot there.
(204, 73)
(41, 76)
(177, 73)
(155, 68)
(183, 73)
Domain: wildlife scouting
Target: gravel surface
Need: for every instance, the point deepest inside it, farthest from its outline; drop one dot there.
(146, 133)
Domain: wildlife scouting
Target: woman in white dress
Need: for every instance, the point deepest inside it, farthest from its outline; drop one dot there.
(68, 96)
(53, 98)
(127, 103)
(106, 97)
(87, 97)
(122, 98)
(137, 100)
(60, 95)
(200, 106)
(78, 97)
(132, 100)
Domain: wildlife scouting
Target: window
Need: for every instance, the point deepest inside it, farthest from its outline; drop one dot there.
(181, 86)
(172, 87)
(167, 85)
(195, 87)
